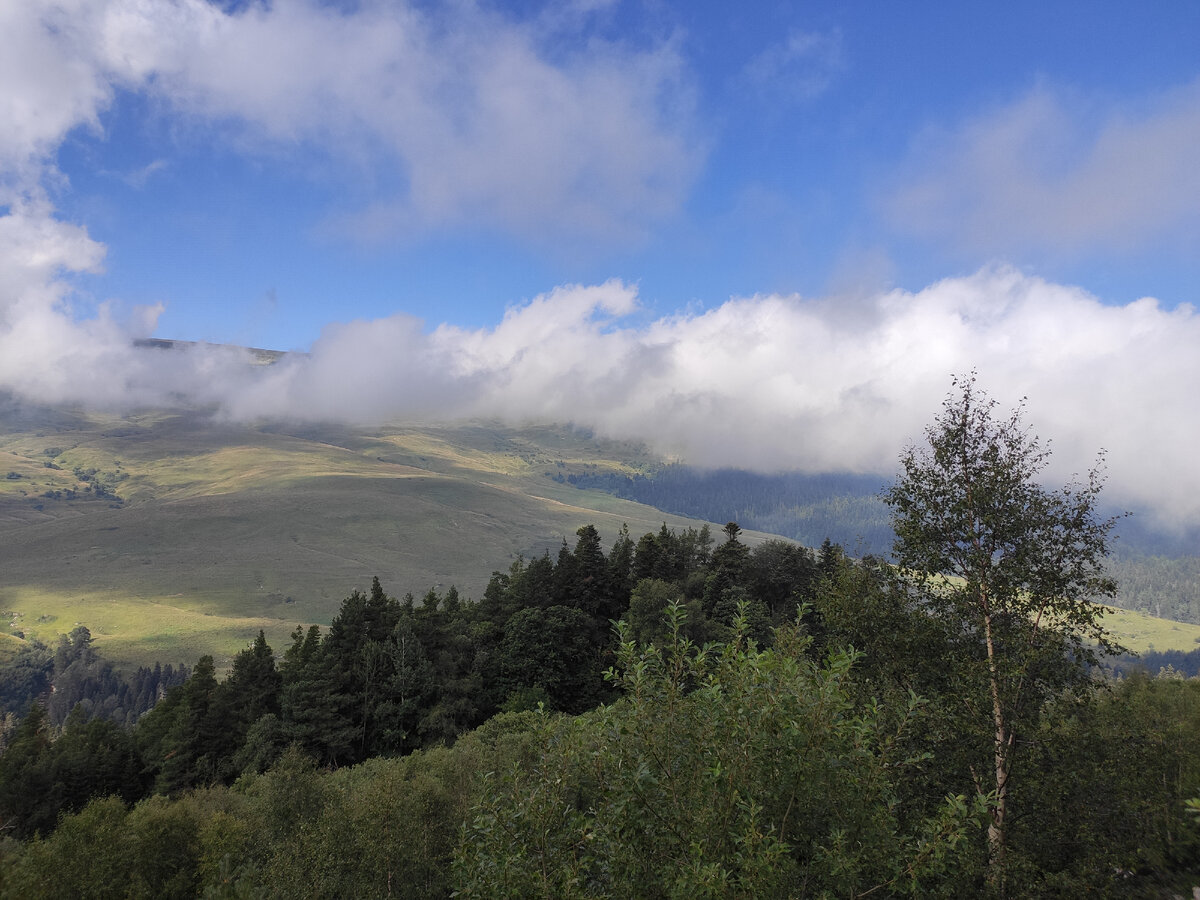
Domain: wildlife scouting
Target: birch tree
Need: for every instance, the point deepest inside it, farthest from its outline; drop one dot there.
(1012, 569)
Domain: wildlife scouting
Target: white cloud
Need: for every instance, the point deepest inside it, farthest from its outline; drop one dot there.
(138, 178)
(800, 67)
(773, 382)
(1055, 173)
(483, 124)
(488, 123)
(48, 85)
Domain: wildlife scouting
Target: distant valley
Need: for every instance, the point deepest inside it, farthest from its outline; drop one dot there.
(1159, 574)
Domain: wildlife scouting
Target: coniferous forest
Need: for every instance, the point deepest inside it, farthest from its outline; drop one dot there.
(679, 714)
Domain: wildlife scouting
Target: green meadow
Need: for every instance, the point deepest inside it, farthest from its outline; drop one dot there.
(135, 630)
(169, 534)
(1142, 633)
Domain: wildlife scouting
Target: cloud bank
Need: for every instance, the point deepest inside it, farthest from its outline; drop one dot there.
(779, 383)
(768, 383)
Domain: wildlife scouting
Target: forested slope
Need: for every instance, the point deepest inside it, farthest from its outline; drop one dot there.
(1158, 573)
(816, 746)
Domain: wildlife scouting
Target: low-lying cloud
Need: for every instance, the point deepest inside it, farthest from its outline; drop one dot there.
(768, 383)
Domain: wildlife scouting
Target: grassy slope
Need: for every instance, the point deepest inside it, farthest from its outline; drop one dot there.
(1141, 633)
(222, 530)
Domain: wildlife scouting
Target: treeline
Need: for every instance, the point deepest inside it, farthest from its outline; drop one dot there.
(66, 732)
(389, 676)
(75, 675)
(806, 508)
(1168, 662)
(773, 722)
(1158, 574)
(1159, 586)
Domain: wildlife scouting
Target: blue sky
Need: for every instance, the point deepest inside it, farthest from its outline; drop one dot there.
(846, 201)
(798, 125)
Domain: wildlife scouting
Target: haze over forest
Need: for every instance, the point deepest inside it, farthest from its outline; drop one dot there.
(765, 244)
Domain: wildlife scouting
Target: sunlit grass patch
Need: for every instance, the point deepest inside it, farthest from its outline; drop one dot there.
(134, 631)
(1137, 631)
(1142, 633)
(428, 450)
(10, 645)
(232, 469)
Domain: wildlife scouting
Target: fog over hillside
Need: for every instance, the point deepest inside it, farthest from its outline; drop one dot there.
(766, 383)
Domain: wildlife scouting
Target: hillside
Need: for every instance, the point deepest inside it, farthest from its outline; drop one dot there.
(169, 534)
(1158, 573)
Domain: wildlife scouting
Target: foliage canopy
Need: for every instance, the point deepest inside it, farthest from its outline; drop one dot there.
(1010, 569)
